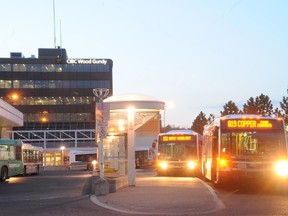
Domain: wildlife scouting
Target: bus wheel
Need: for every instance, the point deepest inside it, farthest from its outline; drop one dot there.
(4, 174)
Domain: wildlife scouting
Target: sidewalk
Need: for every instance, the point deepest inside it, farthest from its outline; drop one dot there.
(162, 195)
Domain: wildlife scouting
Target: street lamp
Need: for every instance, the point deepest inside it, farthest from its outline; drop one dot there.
(62, 148)
(131, 146)
(100, 124)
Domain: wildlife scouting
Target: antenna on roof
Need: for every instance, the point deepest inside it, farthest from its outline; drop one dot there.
(60, 34)
(54, 24)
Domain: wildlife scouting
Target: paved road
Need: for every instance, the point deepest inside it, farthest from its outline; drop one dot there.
(69, 193)
(51, 193)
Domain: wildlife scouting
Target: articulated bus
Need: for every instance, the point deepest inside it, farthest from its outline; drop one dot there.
(178, 153)
(239, 148)
(17, 158)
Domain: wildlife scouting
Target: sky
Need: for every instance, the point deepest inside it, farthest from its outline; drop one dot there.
(193, 55)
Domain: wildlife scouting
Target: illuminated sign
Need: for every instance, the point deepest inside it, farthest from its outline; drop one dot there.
(176, 138)
(87, 61)
(248, 123)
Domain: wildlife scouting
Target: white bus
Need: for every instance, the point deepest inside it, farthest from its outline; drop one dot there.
(239, 148)
(82, 159)
(32, 157)
(179, 153)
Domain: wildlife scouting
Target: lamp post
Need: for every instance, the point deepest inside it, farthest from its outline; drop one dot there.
(131, 147)
(62, 154)
(100, 126)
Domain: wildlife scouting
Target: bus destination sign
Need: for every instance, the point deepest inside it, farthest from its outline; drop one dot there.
(249, 123)
(176, 138)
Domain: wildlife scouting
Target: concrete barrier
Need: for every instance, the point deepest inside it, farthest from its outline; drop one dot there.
(100, 186)
(116, 183)
(108, 185)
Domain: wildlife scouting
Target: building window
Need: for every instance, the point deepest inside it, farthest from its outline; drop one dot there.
(5, 67)
(19, 67)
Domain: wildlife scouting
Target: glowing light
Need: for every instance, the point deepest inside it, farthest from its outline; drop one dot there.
(163, 165)
(192, 164)
(282, 168)
(44, 119)
(223, 163)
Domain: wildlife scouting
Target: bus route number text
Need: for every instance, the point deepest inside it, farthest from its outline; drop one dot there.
(249, 124)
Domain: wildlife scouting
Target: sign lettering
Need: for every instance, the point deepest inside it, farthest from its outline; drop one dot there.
(249, 124)
(176, 138)
(87, 61)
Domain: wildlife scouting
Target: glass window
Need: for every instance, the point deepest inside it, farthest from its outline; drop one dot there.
(261, 143)
(7, 84)
(19, 67)
(58, 68)
(16, 84)
(5, 67)
(48, 68)
(27, 84)
(87, 68)
(52, 84)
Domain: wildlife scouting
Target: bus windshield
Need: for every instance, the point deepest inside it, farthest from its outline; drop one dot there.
(177, 150)
(257, 143)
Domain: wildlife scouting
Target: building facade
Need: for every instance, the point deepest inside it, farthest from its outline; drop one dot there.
(55, 93)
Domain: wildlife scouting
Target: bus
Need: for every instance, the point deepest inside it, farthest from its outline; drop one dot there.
(82, 159)
(11, 163)
(239, 148)
(179, 153)
(17, 158)
(32, 157)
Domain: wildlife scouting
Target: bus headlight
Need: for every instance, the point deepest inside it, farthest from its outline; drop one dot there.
(223, 163)
(94, 162)
(192, 164)
(163, 164)
(282, 168)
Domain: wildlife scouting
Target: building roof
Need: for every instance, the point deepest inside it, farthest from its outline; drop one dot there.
(138, 101)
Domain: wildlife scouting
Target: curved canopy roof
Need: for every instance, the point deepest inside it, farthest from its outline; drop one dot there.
(137, 101)
(145, 108)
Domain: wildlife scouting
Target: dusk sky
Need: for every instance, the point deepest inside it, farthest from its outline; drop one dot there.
(197, 55)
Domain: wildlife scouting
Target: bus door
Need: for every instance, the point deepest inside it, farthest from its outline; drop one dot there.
(15, 164)
(215, 153)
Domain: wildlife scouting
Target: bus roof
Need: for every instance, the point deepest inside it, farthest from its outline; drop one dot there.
(246, 116)
(187, 132)
(10, 142)
(217, 121)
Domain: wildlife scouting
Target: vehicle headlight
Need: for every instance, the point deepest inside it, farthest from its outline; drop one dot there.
(192, 164)
(94, 162)
(163, 164)
(282, 168)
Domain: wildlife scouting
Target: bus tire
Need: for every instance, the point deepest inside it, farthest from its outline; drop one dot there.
(4, 174)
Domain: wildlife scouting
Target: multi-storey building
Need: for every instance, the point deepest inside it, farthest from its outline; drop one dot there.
(55, 93)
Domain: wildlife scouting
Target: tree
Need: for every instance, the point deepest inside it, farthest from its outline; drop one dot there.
(210, 118)
(284, 107)
(278, 113)
(230, 108)
(199, 123)
(171, 127)
(260, 105)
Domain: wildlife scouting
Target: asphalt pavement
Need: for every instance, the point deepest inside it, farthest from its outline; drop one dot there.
(162, 195)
